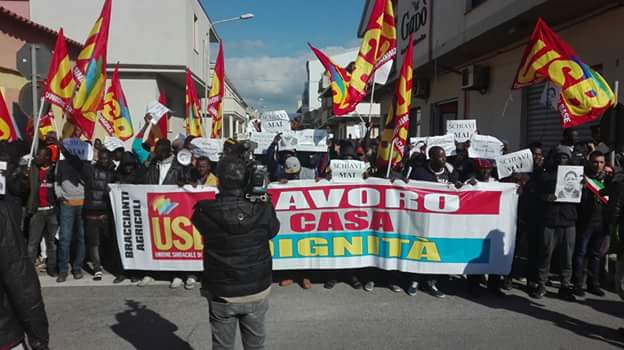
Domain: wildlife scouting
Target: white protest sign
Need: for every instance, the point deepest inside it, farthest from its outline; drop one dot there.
(79, 148)
(311, 140)
(447, 142)
(356, 131)
(113, 143)
(462, 129)
(347, 170)
(263, 139)
(157, 110)
(275, 121)
(383, 73)
(206, 147)
(417, 144)
(288, 141)
(568, 188)
(517, 162)
(3, 167)
(486, 147)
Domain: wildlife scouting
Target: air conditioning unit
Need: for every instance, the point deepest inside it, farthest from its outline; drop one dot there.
(475, 77)
(420, 88)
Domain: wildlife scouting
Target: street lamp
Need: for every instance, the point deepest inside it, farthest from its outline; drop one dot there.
(242, 17)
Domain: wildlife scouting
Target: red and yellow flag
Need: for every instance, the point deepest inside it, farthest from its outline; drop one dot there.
(116, 115)
(192, 122)
(90, 75)
(394, 135)
(215, 97)
(8, 131)
(585, 95)
(339, 78)
(60, 84)
(46, 125)
(378, 47)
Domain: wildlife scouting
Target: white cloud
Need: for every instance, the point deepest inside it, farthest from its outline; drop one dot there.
(278, 81)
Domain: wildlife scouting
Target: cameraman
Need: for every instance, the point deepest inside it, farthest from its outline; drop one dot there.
(237, 261)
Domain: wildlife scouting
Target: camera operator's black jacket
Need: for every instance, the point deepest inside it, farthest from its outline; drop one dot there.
(21, 305)
(236, 234)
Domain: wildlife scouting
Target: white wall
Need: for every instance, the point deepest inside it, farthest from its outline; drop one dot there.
(152, 32)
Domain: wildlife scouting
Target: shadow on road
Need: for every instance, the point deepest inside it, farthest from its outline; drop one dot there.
(146, 329)
(526, 306)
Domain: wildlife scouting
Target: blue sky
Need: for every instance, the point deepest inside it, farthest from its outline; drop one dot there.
(265, 56)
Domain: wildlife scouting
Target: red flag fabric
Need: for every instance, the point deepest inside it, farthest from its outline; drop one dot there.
(60, 83)
(191, 106)
(394, 135)
(90, 75)
(8, 131)
(585, 95)
(215, 97)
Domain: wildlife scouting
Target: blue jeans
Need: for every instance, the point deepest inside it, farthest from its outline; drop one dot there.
(72, 228)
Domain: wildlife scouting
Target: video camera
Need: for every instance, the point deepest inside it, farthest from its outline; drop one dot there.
(257, 176)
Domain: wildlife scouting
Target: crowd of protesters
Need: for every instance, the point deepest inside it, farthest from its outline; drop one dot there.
(61, 207)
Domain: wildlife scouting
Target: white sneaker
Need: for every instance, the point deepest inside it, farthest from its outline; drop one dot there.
(145, 281)
(395, 288)
(190, 283)
(176, 283)
(369, 286)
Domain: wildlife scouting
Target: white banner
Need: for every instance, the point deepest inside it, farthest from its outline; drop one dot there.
(3, 168)
(207, 147)
(462, 129)
(157, 110)
(517, 162)
(263, 139)
(486, 147)
(153, 224)
(113, 143)
(417, 227)
(347, 170)
(311, 140)
(275, 121)
(447, 142)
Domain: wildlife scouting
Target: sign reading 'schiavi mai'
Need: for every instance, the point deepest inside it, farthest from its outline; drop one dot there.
(416, 227)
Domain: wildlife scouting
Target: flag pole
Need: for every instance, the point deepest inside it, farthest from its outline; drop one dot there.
(390, 159)
(370, 105)
(35, 140)
(617, 92)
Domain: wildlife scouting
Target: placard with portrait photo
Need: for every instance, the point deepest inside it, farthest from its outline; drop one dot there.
(569, 188)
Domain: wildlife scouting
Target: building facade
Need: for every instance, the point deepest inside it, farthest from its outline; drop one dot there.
(153, 41)
(466, 54)
(17, 30)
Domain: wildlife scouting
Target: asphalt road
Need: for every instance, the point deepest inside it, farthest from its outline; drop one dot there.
(90, 315)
